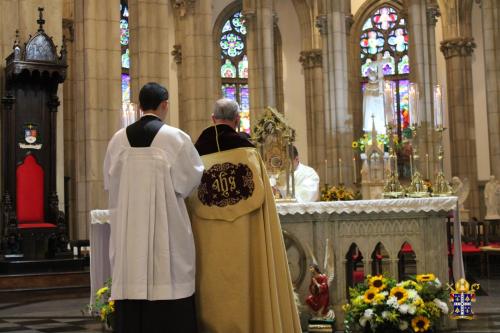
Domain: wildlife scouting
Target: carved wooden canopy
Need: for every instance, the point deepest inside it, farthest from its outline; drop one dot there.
(38, 55)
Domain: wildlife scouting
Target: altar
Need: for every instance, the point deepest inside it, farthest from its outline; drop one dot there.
(396, 225)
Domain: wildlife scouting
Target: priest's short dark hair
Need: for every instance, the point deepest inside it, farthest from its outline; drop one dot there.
(151, 95)
(295, 152)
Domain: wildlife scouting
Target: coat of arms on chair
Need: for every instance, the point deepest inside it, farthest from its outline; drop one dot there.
(32, 226)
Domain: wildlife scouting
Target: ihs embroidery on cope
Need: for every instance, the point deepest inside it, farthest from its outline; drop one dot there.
(226, 184)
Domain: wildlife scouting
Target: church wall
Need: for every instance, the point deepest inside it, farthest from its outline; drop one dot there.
(293, 76)
(480, 104)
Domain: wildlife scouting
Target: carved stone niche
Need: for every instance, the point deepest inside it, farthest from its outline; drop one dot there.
(33, 73)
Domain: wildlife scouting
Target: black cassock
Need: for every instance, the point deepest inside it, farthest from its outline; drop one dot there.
(143, 316)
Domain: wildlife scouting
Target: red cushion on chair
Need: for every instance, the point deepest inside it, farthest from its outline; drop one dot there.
(36, 225)
(470, 248)
(29, 186)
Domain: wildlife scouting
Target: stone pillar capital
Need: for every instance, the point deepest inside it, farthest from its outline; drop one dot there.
(183, 7)
(322, 24)
(177, 53)
(311, 58)
(432, 14)
(458, 47)
(249, 16)
(349, 21)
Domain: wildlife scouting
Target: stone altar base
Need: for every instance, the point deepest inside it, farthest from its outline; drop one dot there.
(321, 325)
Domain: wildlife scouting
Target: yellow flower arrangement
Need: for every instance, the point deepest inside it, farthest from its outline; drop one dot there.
(381, 305)
(370, 295)
(338, 193)
(103, 307)
(377, 282)
(426, 277)
(420, 324)
(400, 293)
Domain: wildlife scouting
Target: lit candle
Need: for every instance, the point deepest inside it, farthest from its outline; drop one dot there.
(388, 103)
(413, 104)
(427, 166)
(438, 107)
(326, 171)
(354, 169)
(340, 171)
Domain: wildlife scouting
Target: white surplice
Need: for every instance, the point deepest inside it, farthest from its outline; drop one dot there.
(151, 248)
(306, 183)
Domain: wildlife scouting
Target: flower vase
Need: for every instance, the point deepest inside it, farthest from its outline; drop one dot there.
(109, 324)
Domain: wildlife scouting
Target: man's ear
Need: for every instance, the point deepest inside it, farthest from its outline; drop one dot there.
(213, 118)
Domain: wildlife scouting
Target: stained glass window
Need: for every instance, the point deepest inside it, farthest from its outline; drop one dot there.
(124, 42)
(234, 65)
(385, 33)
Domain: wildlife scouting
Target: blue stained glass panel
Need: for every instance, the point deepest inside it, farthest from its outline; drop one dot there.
(126, 59)
(228, 70)
(227, 27)
(403, 103)
(404, 65)
(125, 88)
(229, 91)
(243, 68)
(232, 44)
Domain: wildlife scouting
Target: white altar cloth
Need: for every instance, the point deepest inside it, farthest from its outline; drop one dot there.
(406, 205)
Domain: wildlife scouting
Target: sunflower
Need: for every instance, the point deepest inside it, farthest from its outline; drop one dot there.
(370, 295)
(420, 324)
(377, 282)
(426, 277)
(400, 293)
(112, 305)
(101, 291)
(355, 144)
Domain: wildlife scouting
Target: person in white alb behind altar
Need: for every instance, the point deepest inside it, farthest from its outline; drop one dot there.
(149, 169)
(306, 181)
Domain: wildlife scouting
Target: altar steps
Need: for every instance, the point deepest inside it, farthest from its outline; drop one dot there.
(483, 323)
(44, 281)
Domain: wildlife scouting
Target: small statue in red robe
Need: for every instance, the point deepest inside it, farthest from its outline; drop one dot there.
(319, 291)
(319, 298)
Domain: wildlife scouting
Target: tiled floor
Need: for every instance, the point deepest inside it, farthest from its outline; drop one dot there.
(47, 312)
(64, 312)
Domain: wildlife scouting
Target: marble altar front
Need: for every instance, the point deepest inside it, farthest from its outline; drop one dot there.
(365, 223)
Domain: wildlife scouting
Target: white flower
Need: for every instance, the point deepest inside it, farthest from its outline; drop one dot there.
(362, 321)
(368, 313)
(403, 308)
(393, 301)
(437, 282)
(403, 325)
(384, 293)
(441, 305)
(412, 309)
(412, 293)
(385, 314)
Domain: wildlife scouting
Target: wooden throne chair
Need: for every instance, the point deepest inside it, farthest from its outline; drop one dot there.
(31, 226)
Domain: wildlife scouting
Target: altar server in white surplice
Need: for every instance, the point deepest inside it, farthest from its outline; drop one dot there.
(306, 180)
(149, 169)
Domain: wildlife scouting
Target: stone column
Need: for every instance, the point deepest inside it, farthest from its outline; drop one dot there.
(149, 54)
(421, 29)
(491, 33)
(312, 61)
(69, 116)
(457, 47)
(260, 49)
(196, 72)
(338, 119)
(97, 98)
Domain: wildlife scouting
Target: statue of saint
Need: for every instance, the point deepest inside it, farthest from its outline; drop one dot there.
(373, 97)
(319, 288)
(491, 196)
(461, 190)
